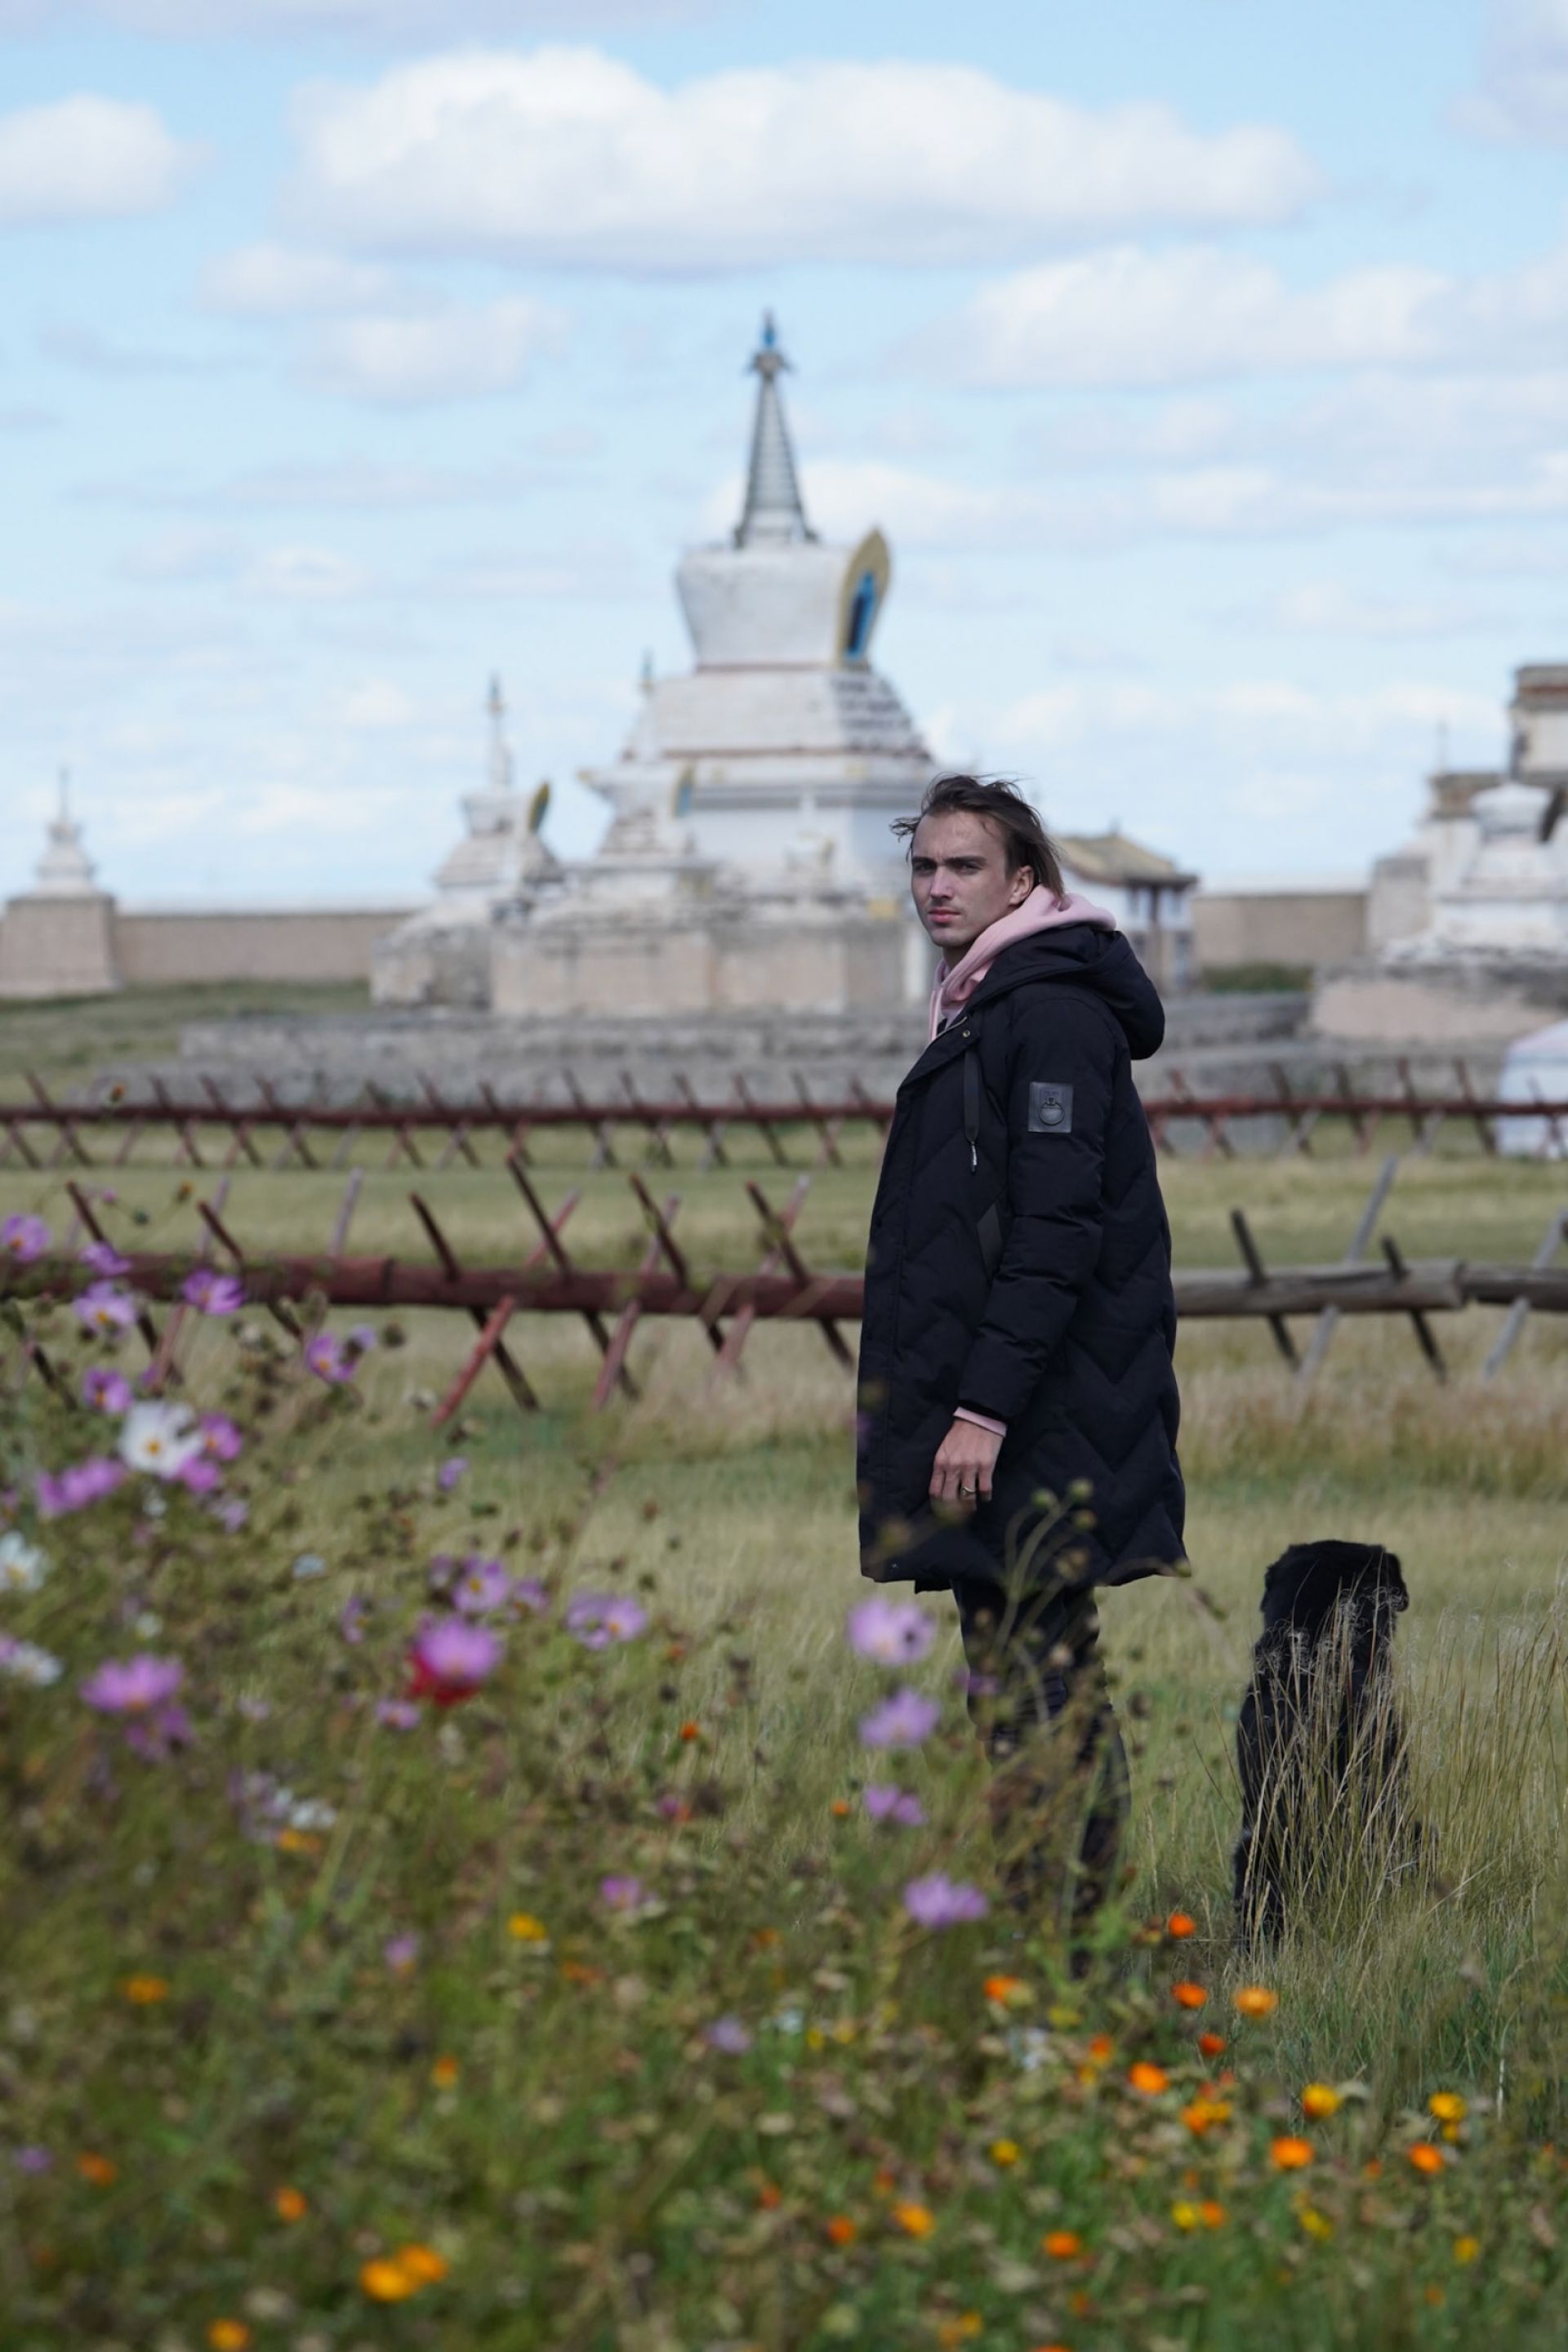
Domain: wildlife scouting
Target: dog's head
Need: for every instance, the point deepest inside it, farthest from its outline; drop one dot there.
(1308, 1582)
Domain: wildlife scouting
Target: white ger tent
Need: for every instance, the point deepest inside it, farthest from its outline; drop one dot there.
(1535, 1070)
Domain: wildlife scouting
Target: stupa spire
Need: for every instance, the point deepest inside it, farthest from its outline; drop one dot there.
(772, 511)
(501, 751)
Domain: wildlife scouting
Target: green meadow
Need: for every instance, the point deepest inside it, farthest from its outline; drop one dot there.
(587, 2009)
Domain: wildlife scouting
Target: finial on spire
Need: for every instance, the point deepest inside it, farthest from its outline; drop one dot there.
(773, 510)
(501, 751)
(65, 795)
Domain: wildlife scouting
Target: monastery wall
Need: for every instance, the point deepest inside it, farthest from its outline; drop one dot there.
(1308, 928)
(66, 947)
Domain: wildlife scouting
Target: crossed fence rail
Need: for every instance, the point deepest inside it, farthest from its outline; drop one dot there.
(264, 1130)
(298, 1288)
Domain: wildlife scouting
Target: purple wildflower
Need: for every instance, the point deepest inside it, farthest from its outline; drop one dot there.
(893, 1632)
(32, 2158)
(80, 1483)
(450, 1659)
(728, 2034)
(103, 1306)
(483, 1585)
(352, 1617)
(902, 1721)
(198, 1474)
(154, 1736)
(326, 1356)
(600, 1618)
(938, 1901)
(211, 1292)
(361, 1337)
(895, 1805)
(105, 1390)
(401, 1952)
(621, 1893)
(102, 1257)
(451, 1470)
(529, 1592)
(231, 1515)
(134, 1685)
(221, 1441)
(23, 1238)
(396, 1714)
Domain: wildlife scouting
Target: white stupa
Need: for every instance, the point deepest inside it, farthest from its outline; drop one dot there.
(442, 954)
(782, 747)
(58, 939)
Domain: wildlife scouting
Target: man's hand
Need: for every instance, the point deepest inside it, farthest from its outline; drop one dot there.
(964, 1461)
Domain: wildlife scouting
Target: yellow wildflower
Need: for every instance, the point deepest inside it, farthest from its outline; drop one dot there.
(1447, 2106)
(524, 1929)
(387, 2282)
(1319, 2100)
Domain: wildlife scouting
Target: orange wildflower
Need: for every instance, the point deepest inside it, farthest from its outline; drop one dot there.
(691, 1732)
(883, 2178)
(1211, 2212)
(1101, 2049)
(1148, 2078)
(1062, 2245)
(1320, 2100)
(144, 1992)
(387, 2282)
(1290, 2153)
(915, 2221)
(1211, 2044)
(841, 2230)
(289, 2204)
(967, 2325)
(1005, 1990)
(1426, 2159)
(99, 2169)
(1004, 2152)
(770, 2196)
(423, 2264)
(444, 2073)
(526, 1929)
(1188, 1996)
(579, 1972)
(292, 1841)
(1255, 2000)
(765, 1937)
(1202, 2113)
(228, 2335)
(840, 1809)
(1180, 1924)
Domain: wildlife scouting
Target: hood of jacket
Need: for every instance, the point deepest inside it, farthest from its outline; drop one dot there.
(1086, 957)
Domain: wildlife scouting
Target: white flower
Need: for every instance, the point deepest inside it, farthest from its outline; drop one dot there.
(160, 1438)
(23, 1661)
(309, 1564)
(307, 1812)
(23, 1567)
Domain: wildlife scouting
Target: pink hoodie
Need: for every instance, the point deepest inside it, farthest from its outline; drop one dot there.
(1040, 912)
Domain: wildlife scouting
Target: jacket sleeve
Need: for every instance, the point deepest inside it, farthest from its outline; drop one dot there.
(1055, 1178)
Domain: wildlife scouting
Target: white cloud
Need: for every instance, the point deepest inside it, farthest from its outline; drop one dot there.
(376, 704)
(1523, 88)
(88, 158)
(278, 281)
(183, 555)
(1127, 315)
(1329, 608)
(569, 156)
(446, 354)
(308, 575)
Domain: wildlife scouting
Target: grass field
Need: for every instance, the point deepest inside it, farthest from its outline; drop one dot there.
(384, 2065)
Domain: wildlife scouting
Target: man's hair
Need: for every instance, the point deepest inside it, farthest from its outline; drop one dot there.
(1025, 840)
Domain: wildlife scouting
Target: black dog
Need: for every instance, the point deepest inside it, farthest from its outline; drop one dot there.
(1319, 1744)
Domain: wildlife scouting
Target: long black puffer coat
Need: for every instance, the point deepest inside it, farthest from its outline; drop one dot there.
(1020, 1264)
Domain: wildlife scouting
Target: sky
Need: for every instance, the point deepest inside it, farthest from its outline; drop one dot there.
(1206, 363)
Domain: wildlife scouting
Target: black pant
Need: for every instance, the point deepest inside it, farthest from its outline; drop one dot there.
(1038, 1697)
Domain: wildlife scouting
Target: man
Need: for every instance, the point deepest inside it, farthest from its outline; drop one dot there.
(1017, 1391)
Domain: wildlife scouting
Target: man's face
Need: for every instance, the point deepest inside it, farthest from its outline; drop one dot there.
(958, 878)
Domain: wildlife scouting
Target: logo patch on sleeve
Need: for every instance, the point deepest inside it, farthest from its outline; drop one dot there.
(1050, 1107)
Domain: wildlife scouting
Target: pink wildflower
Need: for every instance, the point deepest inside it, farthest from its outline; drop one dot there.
(600, 1618)
(450, 1660)
(529, 1592)
(199, 1474)
(77, 1487)
(396, 1714)
(451, 1470)
(893, 1632)
(621, 1893)
(327, 1357)
(211, 1292)
(728, 2034)
(938, 1901)
(902, 1721)
(102, 1257)
(895, 1805)
(105, 1390)
(134, 1685)
(220, 1439)
(401, 1952)
(23, 1238)
(103, 1306)
(483, 1585)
